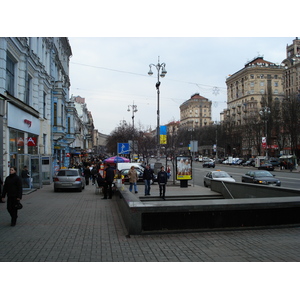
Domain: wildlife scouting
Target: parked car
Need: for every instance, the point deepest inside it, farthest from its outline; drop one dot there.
(238, 162)
(275, 162)
(140, 172)
(124, 172)
(250, 162)
(266, 166)
(208, 164)
(69, 179)
(217, 175)
(261, 177)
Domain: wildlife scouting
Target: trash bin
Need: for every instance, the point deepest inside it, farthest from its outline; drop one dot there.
(183, 183)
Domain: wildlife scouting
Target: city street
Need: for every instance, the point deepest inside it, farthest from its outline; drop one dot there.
(82, 227)
(72, 226)
(288, 179)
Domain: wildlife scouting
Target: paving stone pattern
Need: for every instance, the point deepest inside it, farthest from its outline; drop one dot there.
(82, 227)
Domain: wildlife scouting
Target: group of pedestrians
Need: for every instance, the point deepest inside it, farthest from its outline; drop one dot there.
(148, 177)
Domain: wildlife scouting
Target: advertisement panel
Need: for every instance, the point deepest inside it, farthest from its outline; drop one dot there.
(183, 168)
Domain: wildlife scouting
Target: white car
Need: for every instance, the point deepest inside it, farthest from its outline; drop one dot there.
(217, 175)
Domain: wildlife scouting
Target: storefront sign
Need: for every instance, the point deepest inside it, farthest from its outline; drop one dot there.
(31, 141)
(21, 120)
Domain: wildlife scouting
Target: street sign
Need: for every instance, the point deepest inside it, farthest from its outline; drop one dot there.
(123, 148)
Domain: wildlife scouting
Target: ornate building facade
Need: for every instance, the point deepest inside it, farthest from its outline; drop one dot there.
(195, 112)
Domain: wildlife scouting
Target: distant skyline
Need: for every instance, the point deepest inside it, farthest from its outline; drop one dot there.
(111, 73)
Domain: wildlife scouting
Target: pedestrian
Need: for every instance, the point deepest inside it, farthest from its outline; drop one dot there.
(94, 174)
(162, 179)
(168, 171)
(13, 189)
(133, 178)
(109, 179)
(147, 177)
(87, 175)
(25, 177)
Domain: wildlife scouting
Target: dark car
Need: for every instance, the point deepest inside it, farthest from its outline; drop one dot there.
(261, 177)
(124, 172)
(266, 166)
(250, 162)
(275, 162)
(209, 164)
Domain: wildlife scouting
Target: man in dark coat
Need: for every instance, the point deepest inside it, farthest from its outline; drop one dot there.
(13, 189)
(162, 178)
(109, 179)
(147, 177)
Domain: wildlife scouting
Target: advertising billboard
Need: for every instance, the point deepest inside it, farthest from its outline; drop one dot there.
(183, 168)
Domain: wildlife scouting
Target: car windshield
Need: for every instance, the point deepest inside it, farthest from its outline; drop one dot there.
(67, 173)
(220, 174)
(262, 174)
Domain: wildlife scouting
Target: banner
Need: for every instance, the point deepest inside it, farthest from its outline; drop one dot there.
(183, 168)
(163, 135)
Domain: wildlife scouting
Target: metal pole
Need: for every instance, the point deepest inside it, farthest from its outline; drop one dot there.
(158, 113)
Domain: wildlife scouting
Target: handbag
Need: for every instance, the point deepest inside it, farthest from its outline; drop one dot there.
(19, 205)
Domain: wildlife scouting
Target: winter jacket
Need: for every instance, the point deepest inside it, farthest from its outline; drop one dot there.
(148, 174)
(162, 177)
(12, 187)
(133, 176)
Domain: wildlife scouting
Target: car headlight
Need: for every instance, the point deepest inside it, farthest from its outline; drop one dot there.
(262, 182)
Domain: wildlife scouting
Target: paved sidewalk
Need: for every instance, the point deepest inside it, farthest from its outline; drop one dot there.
(82, 227)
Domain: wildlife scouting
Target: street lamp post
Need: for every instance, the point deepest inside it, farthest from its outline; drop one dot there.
(134, 110)
(161, 72)
(264, 113)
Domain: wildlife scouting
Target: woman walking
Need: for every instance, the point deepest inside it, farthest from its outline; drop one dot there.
(13, 189)
(133, 178)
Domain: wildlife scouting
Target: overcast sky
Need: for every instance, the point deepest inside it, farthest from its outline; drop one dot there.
(112, 73)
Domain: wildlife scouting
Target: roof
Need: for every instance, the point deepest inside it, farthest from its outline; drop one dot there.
(259, 61)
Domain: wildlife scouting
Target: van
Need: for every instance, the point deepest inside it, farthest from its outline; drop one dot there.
(123, 166)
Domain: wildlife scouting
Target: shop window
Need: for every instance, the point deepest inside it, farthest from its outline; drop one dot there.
(32, 144)
(13, 141)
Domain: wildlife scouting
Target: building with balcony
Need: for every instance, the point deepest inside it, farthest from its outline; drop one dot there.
(34, 86)
(246, 88)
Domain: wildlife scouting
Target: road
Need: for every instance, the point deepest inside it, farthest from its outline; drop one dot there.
(288, 179)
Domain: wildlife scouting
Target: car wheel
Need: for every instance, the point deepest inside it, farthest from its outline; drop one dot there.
(205, 184)
(80, 189)
(55, 190)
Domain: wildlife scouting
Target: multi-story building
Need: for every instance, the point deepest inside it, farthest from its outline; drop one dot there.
(246, 87)
(292, 69)
(34, 86)
(250, 92)
(195, 112)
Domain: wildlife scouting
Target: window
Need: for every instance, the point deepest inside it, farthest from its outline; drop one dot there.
(28, 89)
(62, 114)
(69, 125)
(252, 76)
(44, 105)
(276, 83)
(55, 114)
(262, 83)
(252, 83)
(10, 75)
